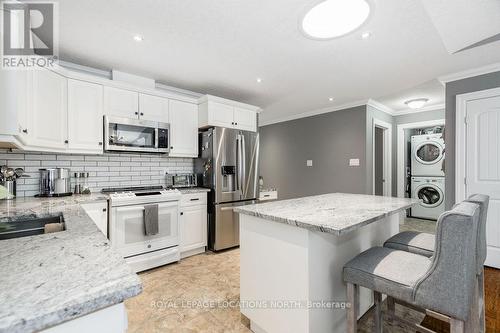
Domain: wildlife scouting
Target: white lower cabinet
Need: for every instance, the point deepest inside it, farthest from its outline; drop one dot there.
(193, 224)
(98, 212)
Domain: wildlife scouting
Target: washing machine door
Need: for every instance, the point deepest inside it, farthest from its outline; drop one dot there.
(431, 195)
(428, 152)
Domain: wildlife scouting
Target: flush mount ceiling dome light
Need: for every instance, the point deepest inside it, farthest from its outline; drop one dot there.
(417, 103)
(334, 18)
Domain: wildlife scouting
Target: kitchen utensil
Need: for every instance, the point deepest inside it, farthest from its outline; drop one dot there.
(19, 172)
(10, 173)
(3, 170)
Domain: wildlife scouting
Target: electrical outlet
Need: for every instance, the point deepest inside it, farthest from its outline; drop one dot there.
(309, 163)
(354, 162)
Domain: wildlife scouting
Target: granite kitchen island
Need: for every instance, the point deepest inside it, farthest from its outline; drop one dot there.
(292, 253)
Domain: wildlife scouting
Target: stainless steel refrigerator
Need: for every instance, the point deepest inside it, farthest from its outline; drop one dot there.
(228, 165)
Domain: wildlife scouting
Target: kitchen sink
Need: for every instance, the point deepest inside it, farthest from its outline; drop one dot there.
(31, 225)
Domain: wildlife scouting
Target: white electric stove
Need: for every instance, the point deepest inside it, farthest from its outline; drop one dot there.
(127, 225)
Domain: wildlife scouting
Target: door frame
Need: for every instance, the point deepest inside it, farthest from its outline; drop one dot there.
(387, 152)
(461, 137)
(400, 164)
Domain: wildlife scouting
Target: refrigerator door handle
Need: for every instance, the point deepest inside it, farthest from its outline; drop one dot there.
(238, 164)
(243, 167)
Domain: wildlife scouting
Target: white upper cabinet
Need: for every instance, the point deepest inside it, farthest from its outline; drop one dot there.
(216, 111)
(183, 129)
(85, 116)
(121, 102)
(245, 119)
(47, 123)
(153, 108)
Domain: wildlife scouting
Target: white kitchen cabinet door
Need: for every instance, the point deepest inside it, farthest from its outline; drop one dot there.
(183, 118)
(98, 212)
(245, 119)
(153, 108)
(121, 103)
(220, 114)
(22, 106)
(47, 110)
(85, 116)
(193, 228)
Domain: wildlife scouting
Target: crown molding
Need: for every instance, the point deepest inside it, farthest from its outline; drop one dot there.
(312, 113)
(470, 73)
(381, 107)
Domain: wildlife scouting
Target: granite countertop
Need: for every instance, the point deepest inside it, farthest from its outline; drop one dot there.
(52, 278)
(335, 213)
(193, 190)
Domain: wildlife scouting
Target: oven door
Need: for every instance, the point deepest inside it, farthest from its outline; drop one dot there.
(124, 134)
(127, 232)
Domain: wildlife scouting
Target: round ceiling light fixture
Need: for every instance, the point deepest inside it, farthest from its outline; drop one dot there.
(417, 103)
(334, 18)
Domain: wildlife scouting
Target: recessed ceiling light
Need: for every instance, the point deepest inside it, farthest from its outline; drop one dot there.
(138, 38)
(417, 103)
(331, 99)
(334, 18)
(366, 35)
(259, 80)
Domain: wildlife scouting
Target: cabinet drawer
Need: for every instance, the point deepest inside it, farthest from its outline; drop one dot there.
(194, 199)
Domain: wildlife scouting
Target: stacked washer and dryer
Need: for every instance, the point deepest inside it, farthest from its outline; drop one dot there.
(427, 175)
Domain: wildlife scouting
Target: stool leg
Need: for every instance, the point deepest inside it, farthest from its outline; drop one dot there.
(482, 309)
(391, 308)
(352, 313)
(456, 326)
(378, 311)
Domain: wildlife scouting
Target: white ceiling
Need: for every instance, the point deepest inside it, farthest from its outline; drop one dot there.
(432, 90)
(221, 47)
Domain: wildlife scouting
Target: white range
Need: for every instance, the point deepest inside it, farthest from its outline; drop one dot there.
(127, 225)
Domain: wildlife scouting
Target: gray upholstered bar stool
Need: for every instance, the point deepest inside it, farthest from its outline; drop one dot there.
(423, 244)
(443, 283)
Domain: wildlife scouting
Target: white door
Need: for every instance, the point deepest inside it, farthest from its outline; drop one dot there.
(121, 103)
(483, 165)
(47, 93)
(183, 129)
(193, 227)
(85, 117)
(153, 108)
(220, 114)
(245, 119)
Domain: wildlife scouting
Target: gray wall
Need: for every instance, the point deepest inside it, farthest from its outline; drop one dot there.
(371, 114)
(405, 119)
(482, 82)
(330, 140)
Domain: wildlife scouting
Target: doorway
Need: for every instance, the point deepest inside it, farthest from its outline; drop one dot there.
(382, 158)
(378, 158)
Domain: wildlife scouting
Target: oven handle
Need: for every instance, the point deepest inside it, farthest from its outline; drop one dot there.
(156, 137)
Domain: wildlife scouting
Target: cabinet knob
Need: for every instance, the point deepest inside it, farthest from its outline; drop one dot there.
(25, 130)
(232, 123)
(66, 141)
(142, 113)
(236, 123)
(104, 209)
(136, 113)
(100, 143)
(182, 213)
(171, 147)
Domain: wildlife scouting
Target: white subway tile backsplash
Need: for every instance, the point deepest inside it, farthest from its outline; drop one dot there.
(108, 170)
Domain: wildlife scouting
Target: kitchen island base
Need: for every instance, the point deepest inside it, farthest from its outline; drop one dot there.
(291, 278)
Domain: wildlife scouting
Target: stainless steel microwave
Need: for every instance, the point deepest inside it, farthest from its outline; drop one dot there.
(135, 135)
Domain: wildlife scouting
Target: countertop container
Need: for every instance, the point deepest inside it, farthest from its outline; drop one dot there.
(55, 182)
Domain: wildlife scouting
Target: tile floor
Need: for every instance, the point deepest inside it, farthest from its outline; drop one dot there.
(184, 297)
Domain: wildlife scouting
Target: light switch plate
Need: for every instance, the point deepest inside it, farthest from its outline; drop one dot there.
(354, 162)
(309, 163)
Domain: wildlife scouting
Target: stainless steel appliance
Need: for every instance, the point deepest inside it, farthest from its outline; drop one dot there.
(129, 215)
(55, 182)
(228, 165)
(180, 180)
(134, 135)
